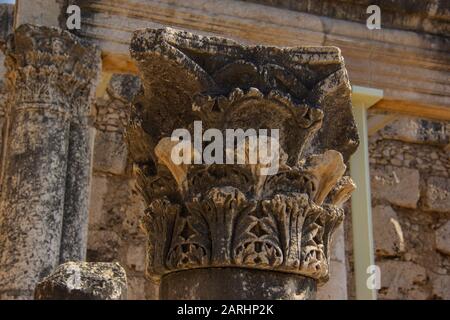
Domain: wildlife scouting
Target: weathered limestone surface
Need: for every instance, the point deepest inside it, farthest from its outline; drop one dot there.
(402, 280)
(415, 145)
(437, 196)
(77, 191)
(111, 153)
(443, 238)
(336, 287)
(112, 115)
(387, 232)
(84, 281)
(52, 77)
(399, 186)
(49, 13)
(441, 287)
(416, 130)
(224, 283)
(206, 216)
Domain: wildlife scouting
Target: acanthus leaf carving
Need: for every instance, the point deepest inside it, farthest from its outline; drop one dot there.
(256, 243)
(229, 215)
(190, 246)
(158, 221)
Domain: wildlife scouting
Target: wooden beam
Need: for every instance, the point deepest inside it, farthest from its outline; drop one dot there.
(433, 112)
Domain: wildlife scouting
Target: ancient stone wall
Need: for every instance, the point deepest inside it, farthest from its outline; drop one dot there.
(115, 211)
(410, 183)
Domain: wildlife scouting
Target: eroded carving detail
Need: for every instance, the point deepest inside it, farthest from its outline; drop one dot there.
(42, 72)
(220, 215)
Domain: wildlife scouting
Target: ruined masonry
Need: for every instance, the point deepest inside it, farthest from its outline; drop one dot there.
(229, 225)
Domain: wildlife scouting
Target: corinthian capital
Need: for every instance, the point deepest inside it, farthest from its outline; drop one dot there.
(51, 68)
(212, 215)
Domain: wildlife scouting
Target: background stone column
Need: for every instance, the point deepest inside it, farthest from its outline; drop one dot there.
(52, 77)
(77, 194)
(228, 231)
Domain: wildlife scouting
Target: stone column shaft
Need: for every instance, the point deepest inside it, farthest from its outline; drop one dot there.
(52, 78)
(76, 203)
(33, 193)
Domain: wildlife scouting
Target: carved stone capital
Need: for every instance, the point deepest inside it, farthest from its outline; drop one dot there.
(231, 215)
(228, 218)
(52, 69)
